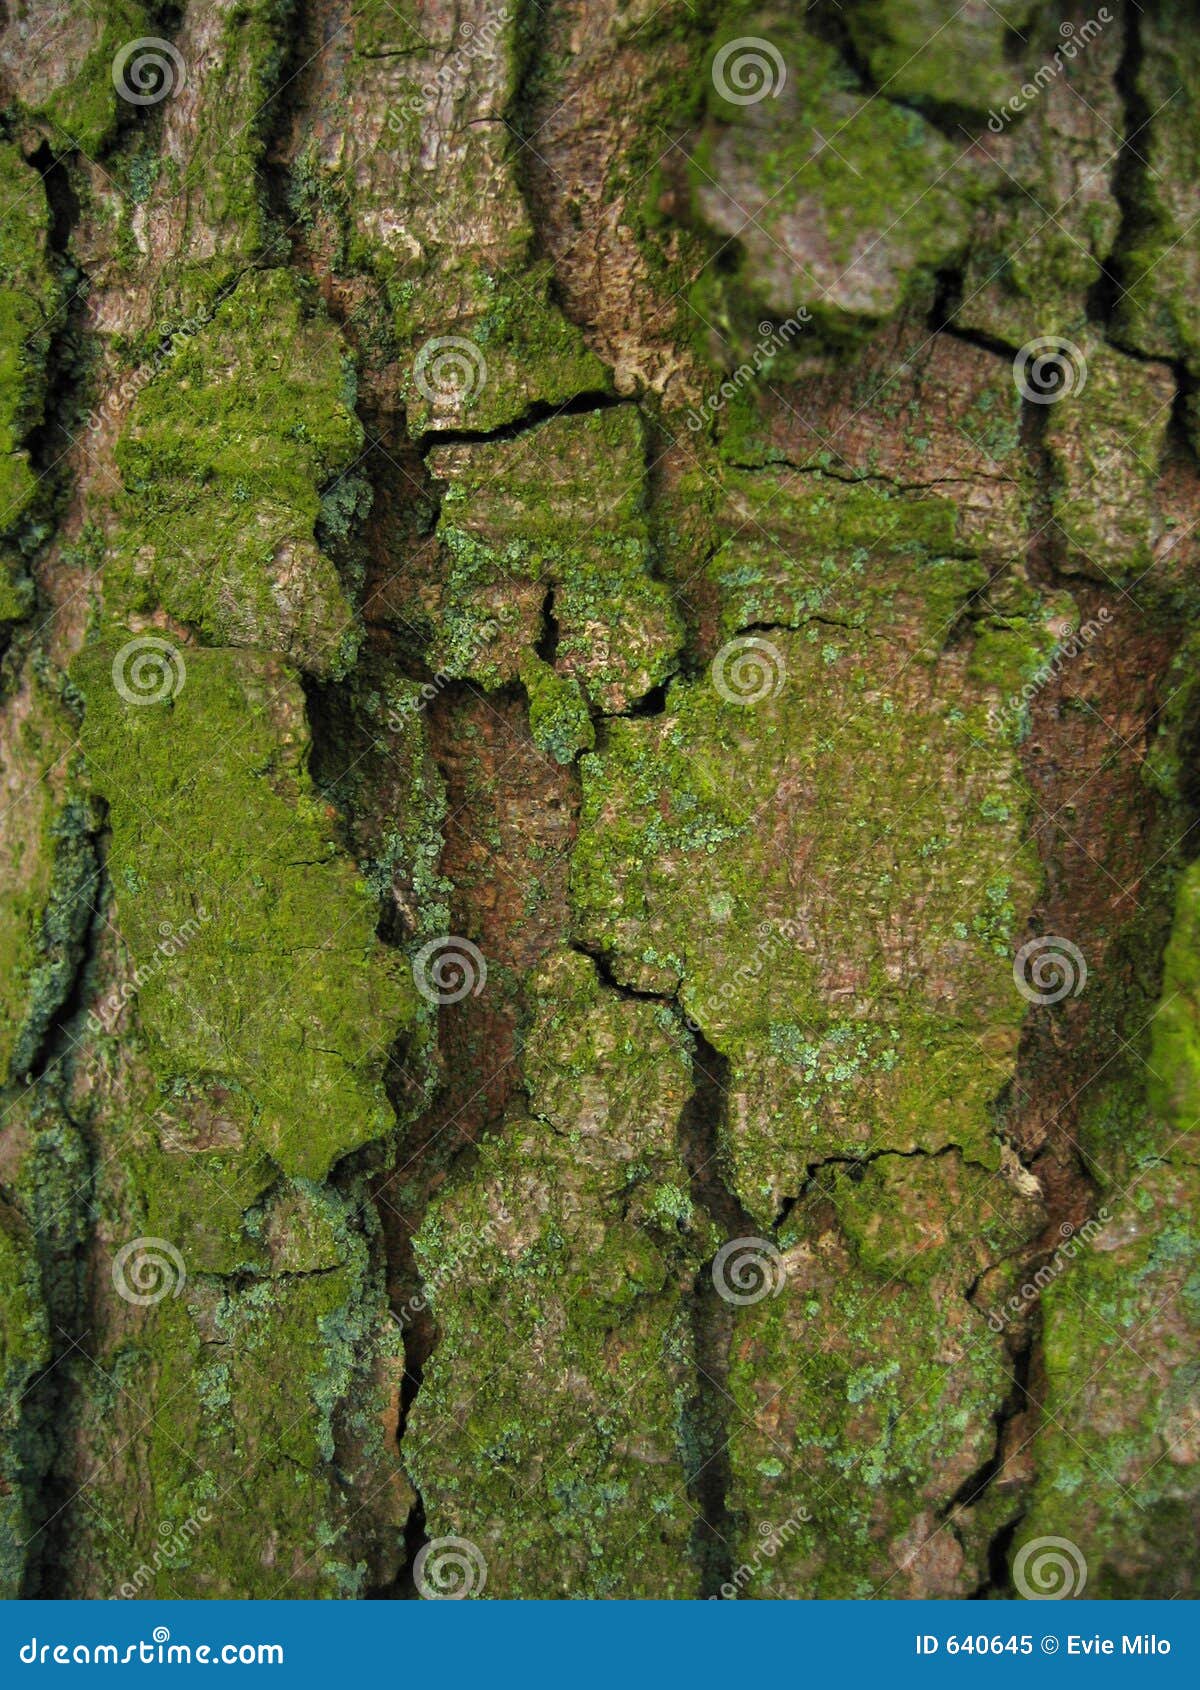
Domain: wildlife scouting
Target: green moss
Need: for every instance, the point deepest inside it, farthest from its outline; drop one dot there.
(916, 1217)
(1015, 654)
(373, 760)
(569, 1239)
(491, 293)
(232, 457)
(955, 62)
(864, 1001)
(1174, 1061)
(59, 939)
(29, 297)
(1028, 275)
(1117, 1442)
(863, 1392)
(1155, 311)
(207, 187)
(50, 867)
(800, 548)
(561, 507)
(1105, 441)
(223, 178)
(841, 229)
(489, 296)
(24, 1349)
(250, 1437)
(523, 351)
(68, 78)
(253, 949)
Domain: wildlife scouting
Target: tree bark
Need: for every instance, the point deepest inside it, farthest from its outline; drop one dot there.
(599, 934)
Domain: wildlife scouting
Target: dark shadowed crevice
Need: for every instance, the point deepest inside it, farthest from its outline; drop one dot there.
(948, 287)
(1015, 1408)
(1015, 1403)
(855, 1167)
(63, 1243)
(1128, 183)
(61, 1229)
(491, 771)
(69, 934)
(708, 1420)
(547, 645)
(1054, 1060)
(978, 338)
(72, 921)
(415, 1539)
(540, 411)
(999, 1580)
(603, 966)
(706, 1455)
(958, 123)
(651, 703)
(50, 438)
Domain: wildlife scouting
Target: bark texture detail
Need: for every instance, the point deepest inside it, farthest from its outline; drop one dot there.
(599, 906)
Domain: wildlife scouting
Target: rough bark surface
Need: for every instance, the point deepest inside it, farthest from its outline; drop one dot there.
(599, 926)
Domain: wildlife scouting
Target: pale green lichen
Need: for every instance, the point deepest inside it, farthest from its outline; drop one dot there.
(558, 714)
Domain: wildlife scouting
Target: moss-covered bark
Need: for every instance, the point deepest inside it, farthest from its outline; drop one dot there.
(598, 911)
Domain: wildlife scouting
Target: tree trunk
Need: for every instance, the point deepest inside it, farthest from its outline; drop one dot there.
(599, 945)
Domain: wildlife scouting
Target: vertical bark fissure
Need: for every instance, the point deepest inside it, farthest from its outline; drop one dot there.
(712, 1318)
(1128, 177)
(63, 1242)
(60, 1198)
(64, 363)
